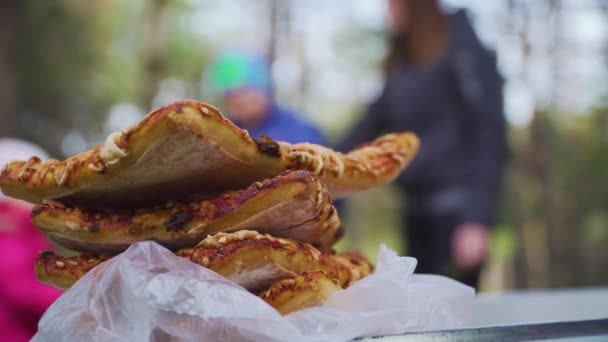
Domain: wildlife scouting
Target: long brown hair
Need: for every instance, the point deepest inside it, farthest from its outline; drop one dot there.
(425, 21)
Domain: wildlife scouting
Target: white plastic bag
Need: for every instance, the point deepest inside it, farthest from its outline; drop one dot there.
(149, 294)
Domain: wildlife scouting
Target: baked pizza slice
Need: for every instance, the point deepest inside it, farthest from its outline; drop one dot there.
(188, 148)
(252, 260)
(304, 291)
(293, 205)
(62, 272)
(313, 288)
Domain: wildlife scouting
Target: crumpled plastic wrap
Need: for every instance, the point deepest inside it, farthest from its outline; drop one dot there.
(149, 294)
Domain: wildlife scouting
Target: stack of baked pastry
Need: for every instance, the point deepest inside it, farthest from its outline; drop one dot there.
(256, 211)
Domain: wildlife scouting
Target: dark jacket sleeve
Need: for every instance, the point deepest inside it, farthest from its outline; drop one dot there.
(481, 90)
(369, 126)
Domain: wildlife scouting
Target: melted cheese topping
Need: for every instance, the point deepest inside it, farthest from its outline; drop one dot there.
(110, 152)
(63, 177)
(221, 239)
(72, 226)
(94, 167)
(26, 166)
(321, 158)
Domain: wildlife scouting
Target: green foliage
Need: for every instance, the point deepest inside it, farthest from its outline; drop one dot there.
(48, 48)
(373, 218)
(503, 243)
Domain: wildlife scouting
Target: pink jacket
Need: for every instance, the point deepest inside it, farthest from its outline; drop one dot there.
(23, 299)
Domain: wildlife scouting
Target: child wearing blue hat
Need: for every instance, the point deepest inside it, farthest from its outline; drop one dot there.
(243, 82)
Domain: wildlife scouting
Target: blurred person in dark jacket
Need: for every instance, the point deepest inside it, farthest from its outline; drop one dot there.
(23, 299)
(444, 85)
(243, 81)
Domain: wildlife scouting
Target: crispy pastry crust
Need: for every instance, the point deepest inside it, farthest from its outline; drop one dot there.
(304, 291)
(190, 147)
(313, 288)
(346, 268)
(358, 263)
(292, 205)
(253, 260)
(368, 166)
(235, 255)
(183, 148)
(62, 272)
(250, 259)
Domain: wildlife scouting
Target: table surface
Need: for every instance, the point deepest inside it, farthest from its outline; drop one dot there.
(574, 314)
(540, 306)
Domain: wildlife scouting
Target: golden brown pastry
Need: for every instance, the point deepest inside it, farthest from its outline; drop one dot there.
(250, 259)
(292, 205)
(256, 260)
(62, 272)
(253, 260)
(346, 268)
(189, 147)
(368, 166)
(304, 291)
(315, 287)
(358, 263)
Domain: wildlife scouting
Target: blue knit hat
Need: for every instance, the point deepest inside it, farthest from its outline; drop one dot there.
(235, 70)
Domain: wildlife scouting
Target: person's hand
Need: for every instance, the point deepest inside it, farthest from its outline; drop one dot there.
(470, 245)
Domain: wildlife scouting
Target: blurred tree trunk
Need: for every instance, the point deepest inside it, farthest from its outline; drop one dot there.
(564, 237)
(274, 34)
(280, 28)
(544, 173)
(527, 234)
(11, 23)
(520, 276)
(155, 63)
(553, 233)
(538, 222)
